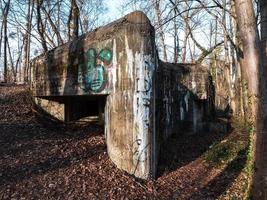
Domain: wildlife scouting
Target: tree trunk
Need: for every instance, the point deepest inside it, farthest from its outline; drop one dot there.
(14, 73)
(260, 176)
(27, 40)
(234, 90)
(58, 20)
(186, 31)
(225, 34)
(161, 33)
(176, 42)
(5, 49)
(6, 10)
(251, 50)
(73, 22)
(175, 37)
(40, 25)
(186, 34)
(54, 27)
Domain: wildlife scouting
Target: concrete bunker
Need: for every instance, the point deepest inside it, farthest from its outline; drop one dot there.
(116, 68)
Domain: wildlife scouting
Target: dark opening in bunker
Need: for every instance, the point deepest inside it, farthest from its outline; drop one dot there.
(77, 107)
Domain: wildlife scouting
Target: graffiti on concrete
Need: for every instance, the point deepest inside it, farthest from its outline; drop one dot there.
(176, 102)
(94, 77)
(142, 108)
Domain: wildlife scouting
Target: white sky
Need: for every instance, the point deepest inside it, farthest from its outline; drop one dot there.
(113, 9)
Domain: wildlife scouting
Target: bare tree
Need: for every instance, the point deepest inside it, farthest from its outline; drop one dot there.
(175, 36)
(27, 38)
(40, 25)
(73, 21)
(5, 15)
(160, 28)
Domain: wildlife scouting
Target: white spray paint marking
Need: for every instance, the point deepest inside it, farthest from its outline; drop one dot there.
(186, 98)
(233, 80)
(114, 67)
(167, 109)
(194, 84)
(126, 95)
(181, 111)
(130, 59)
(144, 69)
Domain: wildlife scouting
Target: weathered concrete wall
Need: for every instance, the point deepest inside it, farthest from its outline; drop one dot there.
(222, 86)
(228, 87)
(145, 99)
(130, 108)
(55, 108)
(118, 60)
(185, 98)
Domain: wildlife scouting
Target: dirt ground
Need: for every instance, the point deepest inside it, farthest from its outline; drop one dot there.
(41, 159)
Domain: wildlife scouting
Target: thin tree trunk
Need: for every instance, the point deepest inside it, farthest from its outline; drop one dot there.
(1, 36)
(215, 54)
(27, 40)
(161, 33)
(54, 27)
(191, 52)
(175, 37)
(11, 63)
(234, 89)
(241, 73)
(17, 65)
(73, 21)
(176, 44)
(226, 52)
(225, 34)
(6, 10)
(58, 19)
(186, 34)
(40, 25)
(186, 31)
(5, 49)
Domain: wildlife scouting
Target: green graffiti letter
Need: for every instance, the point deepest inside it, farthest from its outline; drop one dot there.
(95, 76)
(105, 55)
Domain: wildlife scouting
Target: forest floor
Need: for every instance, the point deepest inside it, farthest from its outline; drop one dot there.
(41, 159)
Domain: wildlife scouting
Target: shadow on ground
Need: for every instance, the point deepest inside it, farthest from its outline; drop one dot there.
(224, 155)
(184, 147)
(221, 182)
(43, 159)
(43, 144)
